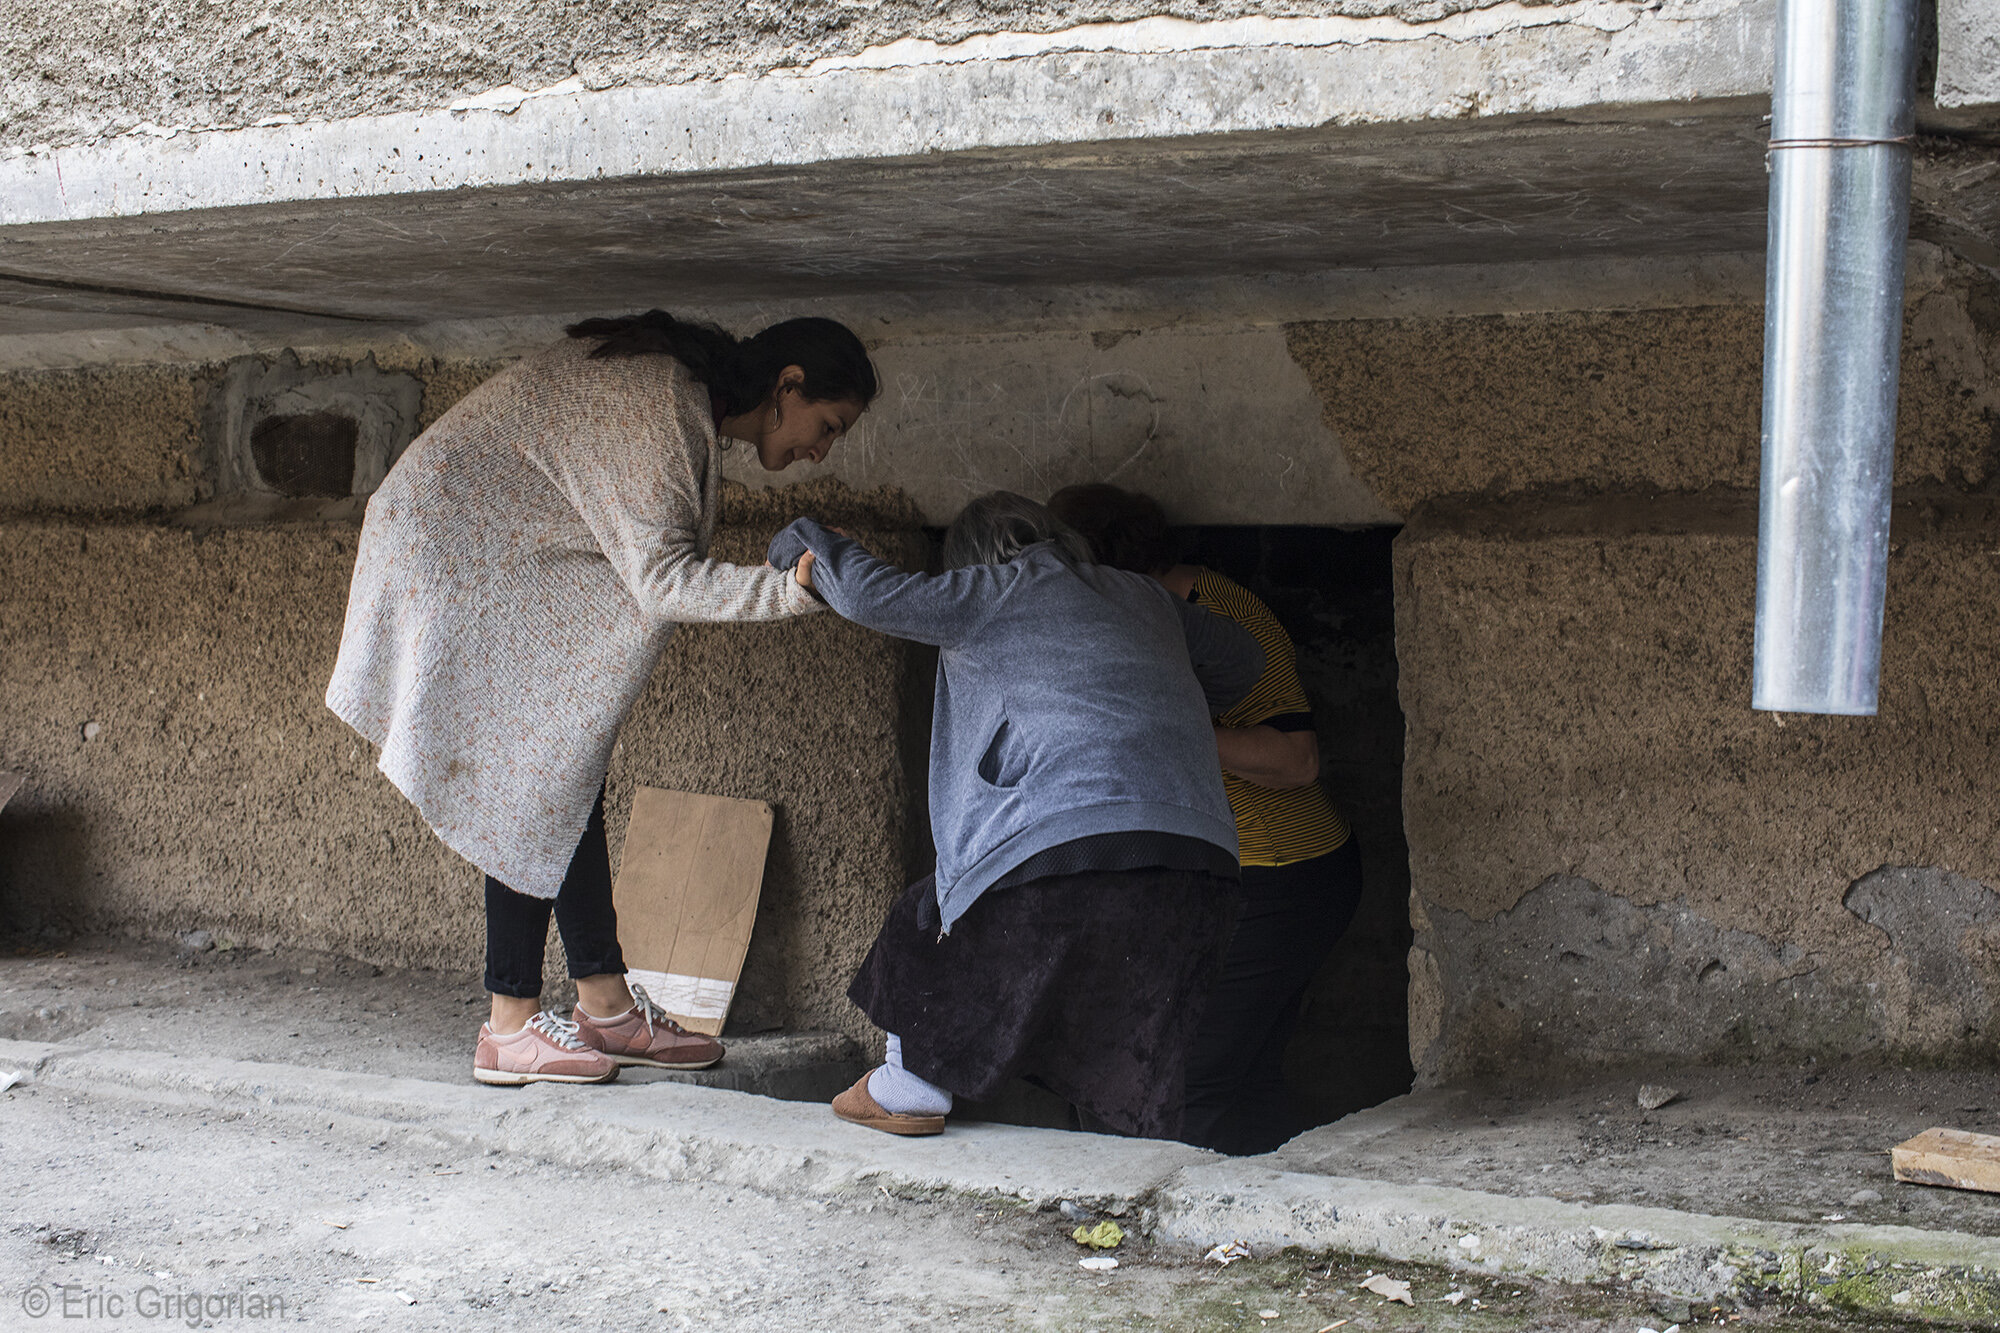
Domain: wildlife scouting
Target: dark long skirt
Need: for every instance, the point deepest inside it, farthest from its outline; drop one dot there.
(1092, 985)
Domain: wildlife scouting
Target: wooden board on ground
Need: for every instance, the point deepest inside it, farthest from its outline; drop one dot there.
(687, 895)
(9, 784)
(1954, 1157)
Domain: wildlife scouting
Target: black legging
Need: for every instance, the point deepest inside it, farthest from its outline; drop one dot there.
(517, 924)
(1292, 917)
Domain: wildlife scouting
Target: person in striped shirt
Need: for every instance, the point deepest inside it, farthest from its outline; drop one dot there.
(1301, 867)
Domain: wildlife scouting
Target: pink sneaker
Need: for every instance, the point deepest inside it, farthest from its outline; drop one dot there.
(644, 1035)
(544, 1051)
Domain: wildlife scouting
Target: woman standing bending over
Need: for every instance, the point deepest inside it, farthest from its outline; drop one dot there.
(520, 571)
(1086, 856)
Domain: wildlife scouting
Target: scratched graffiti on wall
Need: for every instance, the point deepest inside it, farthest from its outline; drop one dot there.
(1222, 427)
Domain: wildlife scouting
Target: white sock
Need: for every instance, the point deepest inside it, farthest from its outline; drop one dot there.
(899, 1092)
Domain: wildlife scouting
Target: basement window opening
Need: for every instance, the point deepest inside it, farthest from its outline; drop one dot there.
(1332, 590)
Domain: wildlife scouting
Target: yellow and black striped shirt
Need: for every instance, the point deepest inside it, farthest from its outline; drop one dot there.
(1273, 828)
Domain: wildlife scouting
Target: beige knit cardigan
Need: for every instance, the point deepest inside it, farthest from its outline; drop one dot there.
(520, 571)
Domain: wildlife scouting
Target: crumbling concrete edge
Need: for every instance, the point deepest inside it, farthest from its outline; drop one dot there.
(1939, 1275)
(1181, 1196)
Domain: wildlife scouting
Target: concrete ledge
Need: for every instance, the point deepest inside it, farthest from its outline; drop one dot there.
(1182, 1195)
(662, 1129)
(1947, 1275)
(1103, 82)
(1968, 72)
(1412, 291)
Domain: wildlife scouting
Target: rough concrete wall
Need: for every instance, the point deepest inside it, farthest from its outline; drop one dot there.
(144, 438)
(958, 416)
(1646, 400)
(102, 438)
(84, 69)
(1605, 841)
(1614, 858)
(447, 381)
(806, 715)
(215, 790)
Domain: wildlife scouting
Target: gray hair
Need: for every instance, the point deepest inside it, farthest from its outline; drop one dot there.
(998, 526)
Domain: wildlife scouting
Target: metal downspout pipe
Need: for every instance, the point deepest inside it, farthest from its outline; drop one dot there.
(1842, 114)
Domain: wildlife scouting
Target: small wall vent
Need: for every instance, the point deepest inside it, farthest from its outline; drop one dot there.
(285, 430)
(309, 454)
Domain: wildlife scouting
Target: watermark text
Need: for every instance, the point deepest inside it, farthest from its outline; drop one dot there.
(151, 1304)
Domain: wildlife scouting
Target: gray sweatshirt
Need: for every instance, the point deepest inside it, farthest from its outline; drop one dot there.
(1072, 700)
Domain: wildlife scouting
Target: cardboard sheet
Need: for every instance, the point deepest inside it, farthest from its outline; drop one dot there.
(686, 896)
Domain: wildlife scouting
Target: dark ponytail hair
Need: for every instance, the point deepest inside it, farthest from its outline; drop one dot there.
(742, 372)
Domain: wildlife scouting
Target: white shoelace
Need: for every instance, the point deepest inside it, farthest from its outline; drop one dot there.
(653, 1013)
(557, 1029)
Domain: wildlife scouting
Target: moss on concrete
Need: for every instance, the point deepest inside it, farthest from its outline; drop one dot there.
(1858, 1281)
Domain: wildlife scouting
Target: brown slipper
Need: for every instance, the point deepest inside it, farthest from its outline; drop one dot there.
(856, 1105)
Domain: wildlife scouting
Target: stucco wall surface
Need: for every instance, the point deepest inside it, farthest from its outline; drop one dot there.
(164, 697)
(1614, 858)
(1644, 400)
(216, 789)
(1219, 424)
(79, 69)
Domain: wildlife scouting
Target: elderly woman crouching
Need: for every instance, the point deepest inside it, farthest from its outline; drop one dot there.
(1086, 853)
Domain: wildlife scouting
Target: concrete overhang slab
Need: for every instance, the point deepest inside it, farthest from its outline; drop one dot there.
(1144, 148)
(1654, 181)
(1111, 155)
(1152, 78)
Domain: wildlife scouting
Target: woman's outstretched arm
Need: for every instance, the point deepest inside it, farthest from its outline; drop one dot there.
(939, 609)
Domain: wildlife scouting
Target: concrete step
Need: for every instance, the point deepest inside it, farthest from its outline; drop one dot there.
(1180, 1195)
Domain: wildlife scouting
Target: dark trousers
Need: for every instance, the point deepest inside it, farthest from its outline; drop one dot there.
(517, 924)
(1292, 916)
